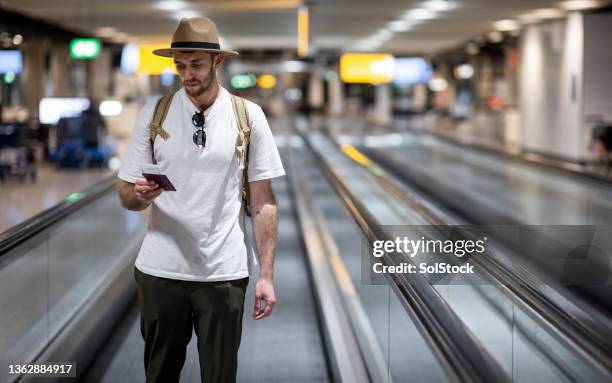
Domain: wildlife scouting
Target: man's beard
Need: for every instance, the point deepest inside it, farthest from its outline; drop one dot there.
(202, 88)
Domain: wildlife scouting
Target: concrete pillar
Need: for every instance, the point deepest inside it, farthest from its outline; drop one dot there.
(99, 75)
(419, 97)
(78, 78)
(33, 76)
(383, 105)
(336, 95)
(551, 87)
(315, 89)
(60, 74)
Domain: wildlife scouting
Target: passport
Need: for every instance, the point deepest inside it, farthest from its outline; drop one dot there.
(154, 173)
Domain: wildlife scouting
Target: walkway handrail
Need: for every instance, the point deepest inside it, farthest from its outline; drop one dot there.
(19, 234)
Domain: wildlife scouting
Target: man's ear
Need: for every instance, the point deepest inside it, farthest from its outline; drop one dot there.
(218, 61)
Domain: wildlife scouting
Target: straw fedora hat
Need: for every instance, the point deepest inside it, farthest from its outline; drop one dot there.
(195, 34)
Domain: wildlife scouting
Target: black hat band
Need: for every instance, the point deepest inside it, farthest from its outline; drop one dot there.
(195, 44)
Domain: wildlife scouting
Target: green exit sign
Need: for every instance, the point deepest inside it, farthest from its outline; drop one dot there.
(85, 48)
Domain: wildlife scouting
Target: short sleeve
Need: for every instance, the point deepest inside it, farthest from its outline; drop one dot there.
(264, 159)
(139, 149)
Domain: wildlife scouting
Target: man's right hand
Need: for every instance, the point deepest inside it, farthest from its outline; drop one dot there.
(146, 191)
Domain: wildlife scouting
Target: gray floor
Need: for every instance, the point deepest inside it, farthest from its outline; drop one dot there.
(286, 347)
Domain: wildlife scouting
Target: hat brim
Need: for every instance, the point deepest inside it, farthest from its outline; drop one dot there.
(167, 52)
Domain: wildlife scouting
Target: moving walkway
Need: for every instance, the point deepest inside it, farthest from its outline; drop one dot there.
(70, 295)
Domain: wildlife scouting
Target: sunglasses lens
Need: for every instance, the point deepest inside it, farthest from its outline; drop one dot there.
(197, 120)
(199, 138)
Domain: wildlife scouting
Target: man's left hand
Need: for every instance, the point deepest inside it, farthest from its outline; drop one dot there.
(264, 294)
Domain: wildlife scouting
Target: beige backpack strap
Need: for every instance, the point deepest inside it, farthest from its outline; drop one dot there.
(155, 127)
(242, 147)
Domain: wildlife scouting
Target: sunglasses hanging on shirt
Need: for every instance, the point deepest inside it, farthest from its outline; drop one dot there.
(199, 136)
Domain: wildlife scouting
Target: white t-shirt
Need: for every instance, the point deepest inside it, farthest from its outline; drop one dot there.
(197, 233)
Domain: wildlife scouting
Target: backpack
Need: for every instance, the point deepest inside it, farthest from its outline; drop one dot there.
(242, 141)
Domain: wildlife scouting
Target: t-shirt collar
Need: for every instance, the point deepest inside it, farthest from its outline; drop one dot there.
(210, 110)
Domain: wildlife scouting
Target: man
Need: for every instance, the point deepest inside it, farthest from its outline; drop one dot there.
(194, 263)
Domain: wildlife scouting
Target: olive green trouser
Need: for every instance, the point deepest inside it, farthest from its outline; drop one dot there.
(168, 310)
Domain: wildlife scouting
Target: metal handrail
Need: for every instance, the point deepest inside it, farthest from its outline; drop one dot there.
(19, 234)
(460, 353)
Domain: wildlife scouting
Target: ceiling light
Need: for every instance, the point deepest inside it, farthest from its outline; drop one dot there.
(170, 5)
(420, 14)
(110, 108)
(464, 72)
(472, 49)
(439, 5)
(528, 18)
(579, 5)
(294, 66)
(495, 36)
(17, 39)
(548, 13)
(438, 84)
(105, 31)
(120, 36)
(506, 25)
(383, 34)
(541, 14)
(400, 25)
(372, 43)
(367, 46)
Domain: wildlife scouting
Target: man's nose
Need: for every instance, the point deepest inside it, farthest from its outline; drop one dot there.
(187, 75)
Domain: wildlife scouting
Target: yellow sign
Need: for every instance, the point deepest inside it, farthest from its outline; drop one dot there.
(153, 64)
(303, 31)
(367, 68)
(266, 81)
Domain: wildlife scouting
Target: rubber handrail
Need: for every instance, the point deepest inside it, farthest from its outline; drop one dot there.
(21, 233)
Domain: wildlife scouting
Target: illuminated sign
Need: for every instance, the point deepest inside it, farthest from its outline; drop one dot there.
(11, 61)
(167, 78)
(464, 72)
(266, 81)
(243, 81)
(367, 68)
(84, 48)
(153, 64)
(110, 108)
(51, 109)
(9, 77)
(411, 70)
(130, 58)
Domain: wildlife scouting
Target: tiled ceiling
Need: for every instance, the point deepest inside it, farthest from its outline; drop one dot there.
(342, 24)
